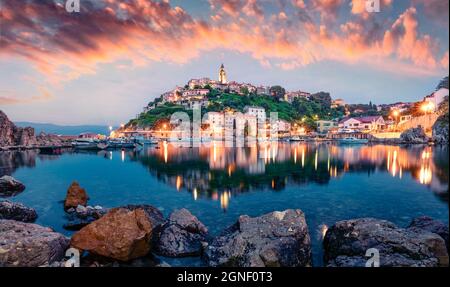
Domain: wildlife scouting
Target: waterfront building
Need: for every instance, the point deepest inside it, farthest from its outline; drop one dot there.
(258, 112)
(324, 127)
(363, 124)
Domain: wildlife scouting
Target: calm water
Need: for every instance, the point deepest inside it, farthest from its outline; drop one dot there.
(217, 184)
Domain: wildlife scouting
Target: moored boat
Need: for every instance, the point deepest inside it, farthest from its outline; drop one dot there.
(353, 140)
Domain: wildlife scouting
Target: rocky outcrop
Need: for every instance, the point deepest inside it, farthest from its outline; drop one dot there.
(183, 235)
(81, 216)
(13, 136)
(121, 234)
(17, 211)
(440, 130)
(9, 186)
(431, 225)
(346, 244)
(274, 239)
(75, 196)
(414, 136)
(29, 245)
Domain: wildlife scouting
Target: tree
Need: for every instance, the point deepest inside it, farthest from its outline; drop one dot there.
(322, 98)
(277, 91)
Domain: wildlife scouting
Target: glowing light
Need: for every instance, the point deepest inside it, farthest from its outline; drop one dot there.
(179, 182)
(194, 193)
(165, 151)
(295, 155)
(425, 175)
(315, 159)
(323, 230)
(303, 157)
(224, 200)
(123, 155)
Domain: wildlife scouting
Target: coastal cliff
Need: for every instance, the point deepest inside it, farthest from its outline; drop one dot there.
(12, 135)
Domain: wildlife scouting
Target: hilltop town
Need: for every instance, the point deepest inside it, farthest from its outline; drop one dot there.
(227, 104)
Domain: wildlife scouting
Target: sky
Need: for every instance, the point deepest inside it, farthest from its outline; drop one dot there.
(103, 64)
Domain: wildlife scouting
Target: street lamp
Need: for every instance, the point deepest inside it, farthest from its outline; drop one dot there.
(395, 114)
(427, 107)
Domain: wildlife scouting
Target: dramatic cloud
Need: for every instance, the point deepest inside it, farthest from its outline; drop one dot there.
(297, 33)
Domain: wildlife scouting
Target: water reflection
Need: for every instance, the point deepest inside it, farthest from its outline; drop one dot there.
(217, 172)
(221, 173)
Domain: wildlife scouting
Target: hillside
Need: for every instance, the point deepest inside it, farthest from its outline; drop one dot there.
(300, 110)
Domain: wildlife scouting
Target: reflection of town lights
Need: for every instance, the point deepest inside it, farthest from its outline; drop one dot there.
(323, 230)
(165, 151)
(194, 193)
(303, 157)
(123, 156)
(295, 155)
(224, 200)
(273, 184)
(425, 175)
(315, 159)
(179, 182)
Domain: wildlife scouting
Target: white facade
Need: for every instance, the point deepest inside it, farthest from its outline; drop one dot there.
(437, 97)
(258, 112)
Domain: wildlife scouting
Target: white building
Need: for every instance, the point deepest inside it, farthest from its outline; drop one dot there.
(263, 90)
(290, 96)
(193, 83)
(258, 112)
(363, 124)
(437, 98)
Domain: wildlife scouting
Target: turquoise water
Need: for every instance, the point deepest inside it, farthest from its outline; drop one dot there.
(217, 184)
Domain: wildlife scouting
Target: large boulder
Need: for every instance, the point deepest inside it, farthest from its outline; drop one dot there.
(440, 130)
(414, 136)
(11, 135)
(183, 235)
(29, 245)
(431, 225)
(346, 244)
(76, 195)
(9, 186)
(154, 214)
(271, 240)
(121, 234)
(17, 211)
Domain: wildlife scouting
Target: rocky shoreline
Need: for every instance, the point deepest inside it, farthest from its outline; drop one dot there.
(17, 138)
(132, 235)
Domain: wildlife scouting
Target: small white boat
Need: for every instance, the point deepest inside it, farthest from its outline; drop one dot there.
(352, 140)
(297, 139)
(89, 144)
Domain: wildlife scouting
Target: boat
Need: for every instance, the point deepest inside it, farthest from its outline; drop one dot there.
(353, 140)
(89, 144)
(121, 143)
(297, 139)
(145, 141)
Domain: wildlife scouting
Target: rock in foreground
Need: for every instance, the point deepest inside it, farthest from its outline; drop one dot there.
(431, 225)
(17, 211)
(29, 245)
(183, 235)
(9, 186)
(346, 244)
(121, 234)
(75, 196)
(276, 239)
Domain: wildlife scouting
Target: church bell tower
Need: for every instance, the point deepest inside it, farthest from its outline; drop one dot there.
(222, 75)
